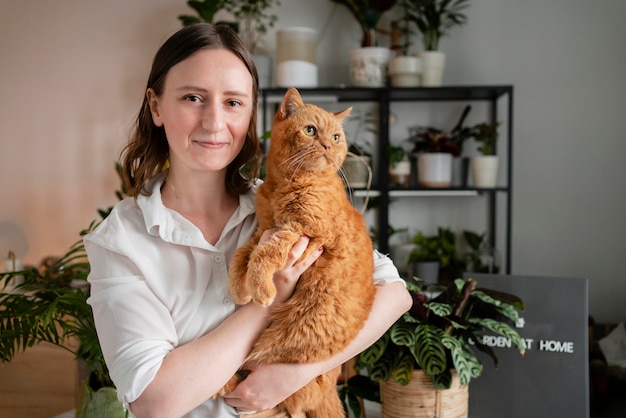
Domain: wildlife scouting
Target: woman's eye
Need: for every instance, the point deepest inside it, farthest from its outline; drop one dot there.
(193, 98)
(233, 103)
(310, 130)
(336, 138)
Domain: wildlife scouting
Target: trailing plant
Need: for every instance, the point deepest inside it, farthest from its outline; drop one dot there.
(442, 331)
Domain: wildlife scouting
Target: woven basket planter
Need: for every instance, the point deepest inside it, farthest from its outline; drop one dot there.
(420, 399)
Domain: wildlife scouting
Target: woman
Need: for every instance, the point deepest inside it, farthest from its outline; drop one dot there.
(170, 333)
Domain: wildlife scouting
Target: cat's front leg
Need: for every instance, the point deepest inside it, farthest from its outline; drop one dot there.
(238, 271)
(264, 261)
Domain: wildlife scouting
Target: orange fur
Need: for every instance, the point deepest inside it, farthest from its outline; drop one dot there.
(303, 194)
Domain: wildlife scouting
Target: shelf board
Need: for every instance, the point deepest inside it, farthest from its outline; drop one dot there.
(348, 94)
(433, 192)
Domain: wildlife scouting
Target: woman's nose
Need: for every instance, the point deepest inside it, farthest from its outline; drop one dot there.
(213, 119)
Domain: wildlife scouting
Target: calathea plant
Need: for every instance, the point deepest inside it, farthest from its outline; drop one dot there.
(441, 332)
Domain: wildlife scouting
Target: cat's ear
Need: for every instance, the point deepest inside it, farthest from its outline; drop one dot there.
(343, 114)
(291, 101)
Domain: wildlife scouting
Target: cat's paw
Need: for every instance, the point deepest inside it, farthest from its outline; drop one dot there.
(238, 285)
(239, 292)
(232, 383)
(264, 294)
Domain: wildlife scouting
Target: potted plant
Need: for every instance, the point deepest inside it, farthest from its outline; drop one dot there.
(399, 165)
(434, 19)
(435, 257)
(434, 149)
(368, 64)
(435, 344)
(404, 69)
(49, 304)
(251, 20)
(485, 166)
(483, 257)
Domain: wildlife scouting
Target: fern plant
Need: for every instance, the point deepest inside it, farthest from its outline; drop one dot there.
(440, 333)
(49, 304)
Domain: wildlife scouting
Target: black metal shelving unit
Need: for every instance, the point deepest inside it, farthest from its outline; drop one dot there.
(384, 96)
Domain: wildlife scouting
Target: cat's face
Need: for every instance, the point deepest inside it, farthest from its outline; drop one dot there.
(307, 138)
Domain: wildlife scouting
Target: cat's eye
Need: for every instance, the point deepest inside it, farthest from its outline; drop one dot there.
(310, 130)
(336, 138)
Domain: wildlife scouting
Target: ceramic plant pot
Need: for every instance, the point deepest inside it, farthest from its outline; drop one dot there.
(485, 171)
(433, 64)
(368, 66)
(434, 169)
(405, 71)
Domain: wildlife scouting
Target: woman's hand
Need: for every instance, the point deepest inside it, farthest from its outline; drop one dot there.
(269, 385)
(286, 279)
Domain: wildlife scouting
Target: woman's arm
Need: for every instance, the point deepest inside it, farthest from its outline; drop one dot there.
(269, 385)
(193, 372)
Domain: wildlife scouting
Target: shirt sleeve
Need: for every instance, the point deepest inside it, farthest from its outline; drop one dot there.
(135, 337)
(385, 272)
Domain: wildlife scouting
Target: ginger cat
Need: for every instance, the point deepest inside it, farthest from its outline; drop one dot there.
(304, 194)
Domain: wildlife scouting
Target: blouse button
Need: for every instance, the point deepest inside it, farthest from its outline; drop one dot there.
(228, 301)
(218, 258)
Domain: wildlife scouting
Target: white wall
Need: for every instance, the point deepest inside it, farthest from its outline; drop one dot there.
(73, 73)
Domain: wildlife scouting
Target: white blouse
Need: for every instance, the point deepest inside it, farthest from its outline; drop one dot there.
(156, 283)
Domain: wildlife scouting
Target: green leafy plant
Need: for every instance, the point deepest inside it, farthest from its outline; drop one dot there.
(395, 154)
(486, 134)
(367, 13)
(440, 247)
(49, 304)
(435, 18)
(443, 331)
(252, 18)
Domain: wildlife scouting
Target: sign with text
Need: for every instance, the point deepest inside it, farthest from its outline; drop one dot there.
(552, 379)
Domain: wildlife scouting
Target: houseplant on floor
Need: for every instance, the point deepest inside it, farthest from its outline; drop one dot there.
(49, 304)
(434, 19)
(437, 341)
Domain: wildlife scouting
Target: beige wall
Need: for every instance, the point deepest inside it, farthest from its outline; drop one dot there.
(72, 75)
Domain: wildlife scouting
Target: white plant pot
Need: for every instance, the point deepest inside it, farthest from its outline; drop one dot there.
(433, 64)
(368, 66)
(405, 71)
(485, 171)
(434, 169)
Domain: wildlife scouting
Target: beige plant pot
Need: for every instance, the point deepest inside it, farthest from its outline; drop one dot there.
(420, 399)
(433, 64)
(485, 171)
(405, 71)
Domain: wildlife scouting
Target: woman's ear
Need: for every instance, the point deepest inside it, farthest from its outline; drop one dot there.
(153, 102)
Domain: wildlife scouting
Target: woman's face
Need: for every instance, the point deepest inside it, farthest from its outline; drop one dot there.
(205, 110)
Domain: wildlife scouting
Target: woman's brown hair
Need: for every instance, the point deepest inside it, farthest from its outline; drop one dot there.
(147, 152)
